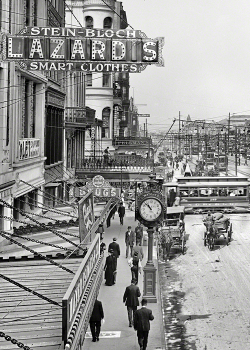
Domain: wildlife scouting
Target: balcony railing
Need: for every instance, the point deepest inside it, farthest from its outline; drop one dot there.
(117, 163)
(132, 141)
(109, 3)
(29, 148)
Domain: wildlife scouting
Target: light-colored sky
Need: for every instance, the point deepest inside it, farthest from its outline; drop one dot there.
(206, 54)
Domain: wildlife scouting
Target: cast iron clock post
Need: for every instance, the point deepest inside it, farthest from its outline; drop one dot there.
(150, 211)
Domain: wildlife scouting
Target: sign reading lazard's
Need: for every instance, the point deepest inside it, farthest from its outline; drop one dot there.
(90, 50)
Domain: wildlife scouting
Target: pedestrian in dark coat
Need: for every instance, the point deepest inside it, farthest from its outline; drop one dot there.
(109, 268)
(135, 267)
(116, 248)
(139, 232)
(95, 320)
(129, 240)
(121, 212)
(142, 324)
(130, 298)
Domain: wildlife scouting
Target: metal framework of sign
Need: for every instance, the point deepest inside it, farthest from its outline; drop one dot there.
(82, 49)
(143, 115)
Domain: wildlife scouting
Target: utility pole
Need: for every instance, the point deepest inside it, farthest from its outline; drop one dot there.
(218, 156)
(228, 138)
(236, 156)
(179, 133)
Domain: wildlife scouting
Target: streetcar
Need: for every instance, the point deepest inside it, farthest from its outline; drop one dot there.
(220, 161)
(208, 157)
(228, 194)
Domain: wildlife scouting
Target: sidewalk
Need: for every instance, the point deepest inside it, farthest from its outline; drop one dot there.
(115, 332)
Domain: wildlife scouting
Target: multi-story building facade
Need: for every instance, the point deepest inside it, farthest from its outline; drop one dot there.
(106, 93)
(23, 115)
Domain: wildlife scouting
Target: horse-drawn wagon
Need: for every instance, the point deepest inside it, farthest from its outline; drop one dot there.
(217, 226)
(172, 231)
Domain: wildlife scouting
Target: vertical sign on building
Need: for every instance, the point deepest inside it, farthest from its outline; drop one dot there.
(93, 141)
(116, 120)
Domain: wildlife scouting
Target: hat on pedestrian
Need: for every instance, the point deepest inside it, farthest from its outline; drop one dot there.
(111, 250)
(133, 281)
(114, 239)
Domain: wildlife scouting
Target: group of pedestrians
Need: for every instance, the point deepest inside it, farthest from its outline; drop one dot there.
(139, 319)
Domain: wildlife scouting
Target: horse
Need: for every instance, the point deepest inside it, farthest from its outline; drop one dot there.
(166, 241)
(210, 234)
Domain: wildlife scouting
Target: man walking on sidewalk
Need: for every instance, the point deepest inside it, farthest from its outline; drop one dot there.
(130, 298)
(129, 240)
(139, 232)
(116, 248)
(142, 324)
(121, 212)
(95, 320)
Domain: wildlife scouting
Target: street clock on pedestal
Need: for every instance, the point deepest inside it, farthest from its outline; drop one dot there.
(150, 209)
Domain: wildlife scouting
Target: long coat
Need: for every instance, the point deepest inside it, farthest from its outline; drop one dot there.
(97, 313)
(131, 295)
(110, 267)
(116, 249)
(121, 211)
(142, 318)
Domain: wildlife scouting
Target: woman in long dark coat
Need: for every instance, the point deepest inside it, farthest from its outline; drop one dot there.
(135, 267)
(109, 269)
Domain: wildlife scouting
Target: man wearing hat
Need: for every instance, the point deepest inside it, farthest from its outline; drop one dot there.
(130, 298)
(114, 249)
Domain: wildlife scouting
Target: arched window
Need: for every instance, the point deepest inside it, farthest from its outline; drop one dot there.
(105, 122)
(89, 23)
(107, 23)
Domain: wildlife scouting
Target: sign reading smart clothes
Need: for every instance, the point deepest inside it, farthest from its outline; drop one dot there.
(83, 49)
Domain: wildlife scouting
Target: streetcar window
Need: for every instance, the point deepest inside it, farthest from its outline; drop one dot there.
(214, 192)
(223, 192)
(193, 193)
(184, 193)
(233, 191)
(241, 191)
(205, 192)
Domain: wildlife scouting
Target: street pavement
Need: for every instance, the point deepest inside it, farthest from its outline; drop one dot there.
(115, 332)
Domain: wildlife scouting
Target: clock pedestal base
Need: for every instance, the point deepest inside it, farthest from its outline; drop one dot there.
(149, 283)
(149, 271)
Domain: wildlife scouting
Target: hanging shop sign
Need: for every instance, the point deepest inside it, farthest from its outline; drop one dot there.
(82, 49)
(29, 148)
(100, 188)
(86, 215)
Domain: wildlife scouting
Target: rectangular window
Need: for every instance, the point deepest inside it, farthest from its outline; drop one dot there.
(89, 79)
(106, 79)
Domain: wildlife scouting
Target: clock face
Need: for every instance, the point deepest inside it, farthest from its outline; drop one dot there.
(150, 209)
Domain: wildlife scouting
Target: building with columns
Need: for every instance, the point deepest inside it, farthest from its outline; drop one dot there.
(106, 93)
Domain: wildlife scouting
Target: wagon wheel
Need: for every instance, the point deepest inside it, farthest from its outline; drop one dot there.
(229, 234)
(183, 245)
(205, 238)
(132, 206)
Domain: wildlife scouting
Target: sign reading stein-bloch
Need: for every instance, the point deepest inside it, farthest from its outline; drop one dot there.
(82, 49)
